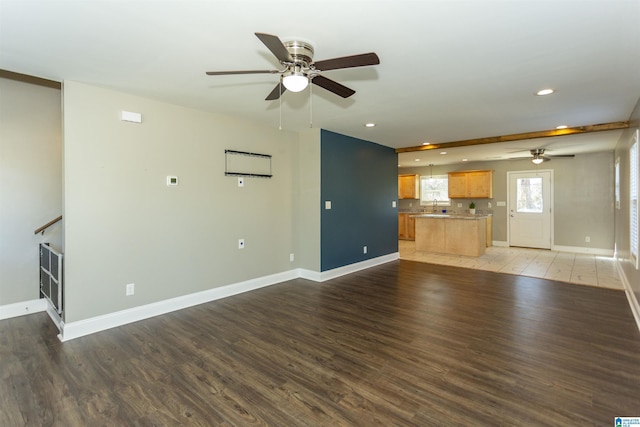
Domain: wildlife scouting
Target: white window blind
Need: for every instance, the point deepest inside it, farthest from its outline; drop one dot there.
(633, 199)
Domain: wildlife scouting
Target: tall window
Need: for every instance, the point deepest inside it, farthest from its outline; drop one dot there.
(434, 188)
(633, 199)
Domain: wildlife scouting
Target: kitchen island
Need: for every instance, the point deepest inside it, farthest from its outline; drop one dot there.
(451, 234)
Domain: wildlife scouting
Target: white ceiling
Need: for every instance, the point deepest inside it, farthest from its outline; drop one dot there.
(450, 70)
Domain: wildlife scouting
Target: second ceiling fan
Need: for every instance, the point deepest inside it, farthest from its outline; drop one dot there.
(299, 68)
(538, 156)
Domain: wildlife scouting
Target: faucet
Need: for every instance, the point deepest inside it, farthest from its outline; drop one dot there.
(435, 205)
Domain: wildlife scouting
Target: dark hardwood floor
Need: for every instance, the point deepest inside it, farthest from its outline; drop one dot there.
(402, 344)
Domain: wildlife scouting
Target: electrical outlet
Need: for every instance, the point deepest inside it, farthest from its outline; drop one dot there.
(364, 250)
(459, 205)
(240, 243)
(130, 289)
(587, 239)
(291, 257)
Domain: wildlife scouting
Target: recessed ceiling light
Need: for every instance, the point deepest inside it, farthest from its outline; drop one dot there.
(417, 160)
(562, 127)
(369, 125)
(545, 92)
(443, 152)
(426, 143)
(465, 160)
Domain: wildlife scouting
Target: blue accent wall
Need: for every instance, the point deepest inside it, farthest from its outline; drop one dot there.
(360, 178)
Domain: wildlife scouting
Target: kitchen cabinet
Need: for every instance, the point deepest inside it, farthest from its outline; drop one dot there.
(406, 226)
(409, 186)
(471, 184)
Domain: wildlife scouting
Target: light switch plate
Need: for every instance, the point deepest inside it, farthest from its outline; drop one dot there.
(240, 181)
(501, 203)
(327, 204)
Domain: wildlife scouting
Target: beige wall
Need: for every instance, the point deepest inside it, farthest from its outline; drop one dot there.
(583, 202)
(124, 225)
(30, 183)
(622, 227)
(308, 207)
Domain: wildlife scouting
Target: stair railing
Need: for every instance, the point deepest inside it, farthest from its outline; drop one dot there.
(47, 225)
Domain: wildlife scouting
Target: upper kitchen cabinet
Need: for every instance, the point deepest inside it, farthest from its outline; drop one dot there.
(471, 184)
(408, 186)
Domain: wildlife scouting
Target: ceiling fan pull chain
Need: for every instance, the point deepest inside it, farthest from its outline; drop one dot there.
(311, 106)
(280, 101)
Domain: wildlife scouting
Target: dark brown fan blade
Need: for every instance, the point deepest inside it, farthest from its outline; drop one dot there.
(348, 62)
(333, 86)
(276, 92)
(275, 46)
(224, 73)
(558, 156)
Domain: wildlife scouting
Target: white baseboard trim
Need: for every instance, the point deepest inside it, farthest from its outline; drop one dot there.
(92, 325)
(583, 250)
(22, 308)
(54, 316)
(573, 249)
(72, 330)
(631, 296)
(347, 269)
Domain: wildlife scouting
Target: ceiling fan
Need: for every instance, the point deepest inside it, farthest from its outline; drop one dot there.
(538, 156)
(299, 69)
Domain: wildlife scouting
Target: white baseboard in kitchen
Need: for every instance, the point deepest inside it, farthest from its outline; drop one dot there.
(583, 250)
(572, 249)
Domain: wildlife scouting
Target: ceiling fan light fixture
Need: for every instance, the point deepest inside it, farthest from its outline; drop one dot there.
(537, 159)
(295, 80)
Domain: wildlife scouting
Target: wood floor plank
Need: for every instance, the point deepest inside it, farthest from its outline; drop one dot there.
(405, 343)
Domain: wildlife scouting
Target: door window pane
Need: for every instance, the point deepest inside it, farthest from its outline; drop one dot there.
(529, 195)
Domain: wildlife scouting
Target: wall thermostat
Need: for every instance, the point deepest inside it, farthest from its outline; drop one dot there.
(172, 180)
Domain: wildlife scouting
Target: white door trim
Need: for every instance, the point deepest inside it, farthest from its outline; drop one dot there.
(551, 202)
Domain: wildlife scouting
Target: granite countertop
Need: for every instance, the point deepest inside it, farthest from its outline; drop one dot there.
(450, 216)
(459, 215)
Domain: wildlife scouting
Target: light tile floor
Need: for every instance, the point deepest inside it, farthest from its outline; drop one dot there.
(583, 269)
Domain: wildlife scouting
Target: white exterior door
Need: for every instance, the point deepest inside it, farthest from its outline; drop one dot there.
(530, 205)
